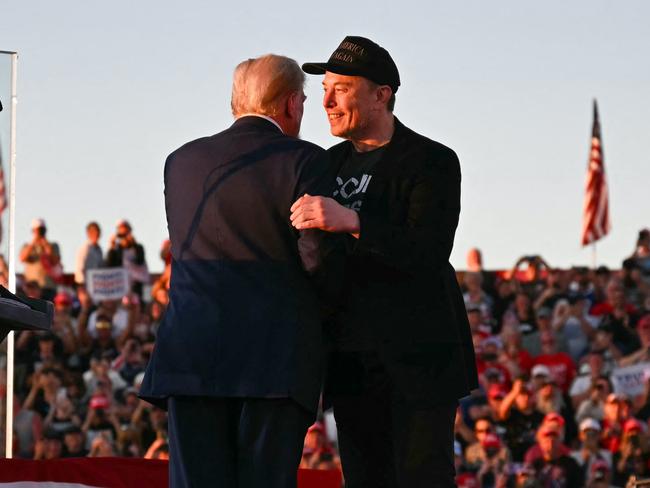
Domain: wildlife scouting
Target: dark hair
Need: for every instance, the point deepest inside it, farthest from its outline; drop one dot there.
(390, 106)
(93, 225)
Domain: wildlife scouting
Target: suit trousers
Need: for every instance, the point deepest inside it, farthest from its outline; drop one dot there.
(385, 441)
(235, 442)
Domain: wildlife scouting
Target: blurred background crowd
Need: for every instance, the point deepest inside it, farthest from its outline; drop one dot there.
(563, 357)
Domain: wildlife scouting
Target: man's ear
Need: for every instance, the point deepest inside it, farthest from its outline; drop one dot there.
(291, 107)
(383, 94)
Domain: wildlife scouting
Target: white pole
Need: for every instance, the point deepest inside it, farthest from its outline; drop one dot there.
(594, 261)
(9, 436)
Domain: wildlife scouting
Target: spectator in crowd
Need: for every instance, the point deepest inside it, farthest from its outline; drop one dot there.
(524, 313)
(593, 406)
(560, 364)
(126, 252)
(616, 412)
(635, 287)
(50, 446)
(487, 446)
(591, 371)
(503, 301)
(552, 292)
(632, 457)
(475, 296)
(318, 452)
(73, 442)
(42, 260)
(61, 416)
(514, 356)
(589, 451)
(476, 323)
(619, 315)
(642, 354)
(46, 386)
(533, 341)
(641, 252)
(28, 428)
(530, 279)
(489, 367)
(63, 324)
(602, 277)
(89, 255)
(493, 467)
(554, 466)
(520, 418)
(600, 475)
(604, 340)
(571, 321)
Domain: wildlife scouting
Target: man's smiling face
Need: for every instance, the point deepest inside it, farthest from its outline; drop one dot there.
(349, 102)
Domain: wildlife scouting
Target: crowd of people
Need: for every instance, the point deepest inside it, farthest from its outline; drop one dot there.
(561, 355)
(563, 360)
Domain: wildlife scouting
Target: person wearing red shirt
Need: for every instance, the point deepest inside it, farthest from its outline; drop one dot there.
(614, 302)
(560, 364)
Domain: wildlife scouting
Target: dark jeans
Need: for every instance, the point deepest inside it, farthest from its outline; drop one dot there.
(384, 441)
(235, 442)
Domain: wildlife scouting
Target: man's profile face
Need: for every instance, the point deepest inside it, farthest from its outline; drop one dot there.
(350, 103)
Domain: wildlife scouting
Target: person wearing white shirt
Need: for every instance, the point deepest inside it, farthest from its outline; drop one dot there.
(89, 256)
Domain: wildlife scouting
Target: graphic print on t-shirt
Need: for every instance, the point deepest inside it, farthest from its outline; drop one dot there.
(354, 177)
(350, 193)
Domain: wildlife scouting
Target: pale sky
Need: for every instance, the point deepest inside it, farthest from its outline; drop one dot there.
(107, 89)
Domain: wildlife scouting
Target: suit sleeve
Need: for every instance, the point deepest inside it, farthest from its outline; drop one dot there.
(316, 178)
(425, 240)
(322, 254)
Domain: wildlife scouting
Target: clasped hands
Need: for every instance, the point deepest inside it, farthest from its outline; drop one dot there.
(315, 212)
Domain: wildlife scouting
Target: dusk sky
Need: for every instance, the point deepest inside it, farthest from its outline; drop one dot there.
(106, 90)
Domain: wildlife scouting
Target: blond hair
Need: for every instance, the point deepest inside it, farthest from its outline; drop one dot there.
(260, 85)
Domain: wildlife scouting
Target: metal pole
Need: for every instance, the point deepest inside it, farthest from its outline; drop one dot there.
(594, 261)
(9, 436)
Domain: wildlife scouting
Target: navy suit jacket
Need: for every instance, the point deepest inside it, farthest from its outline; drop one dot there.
(243, 318)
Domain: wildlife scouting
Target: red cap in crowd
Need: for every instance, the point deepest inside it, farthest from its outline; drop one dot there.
(631, 425)
(491, 441)
(496, 391)
(467, 480)
(99, 401)
(554, 417)
(62, 298)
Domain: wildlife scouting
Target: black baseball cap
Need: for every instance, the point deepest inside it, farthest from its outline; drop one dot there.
(358, 56)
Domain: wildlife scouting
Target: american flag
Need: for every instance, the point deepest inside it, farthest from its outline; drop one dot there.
(595, 219)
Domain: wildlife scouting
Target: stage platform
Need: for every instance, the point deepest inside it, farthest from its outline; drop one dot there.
(115, 473)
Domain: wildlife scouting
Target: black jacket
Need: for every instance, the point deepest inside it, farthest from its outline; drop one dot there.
(243, 318)
(398, 273)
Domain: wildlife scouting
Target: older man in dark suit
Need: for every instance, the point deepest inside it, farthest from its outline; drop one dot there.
(238, 355)
(403, 351)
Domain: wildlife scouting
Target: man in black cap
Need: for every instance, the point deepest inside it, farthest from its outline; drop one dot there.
(403, 354)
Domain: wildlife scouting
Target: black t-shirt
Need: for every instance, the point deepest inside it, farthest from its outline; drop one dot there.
(520, 432)
(354, 176)
(561, 472)
(351, 332)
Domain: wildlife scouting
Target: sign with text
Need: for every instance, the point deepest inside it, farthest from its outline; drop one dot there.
(107, 283)
(631, 380)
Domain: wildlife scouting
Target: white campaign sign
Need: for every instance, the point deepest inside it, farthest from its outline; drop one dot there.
(108, 283)
(631, 380)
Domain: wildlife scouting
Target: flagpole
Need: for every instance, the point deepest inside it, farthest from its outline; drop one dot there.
(9, 431)
(594, 261)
